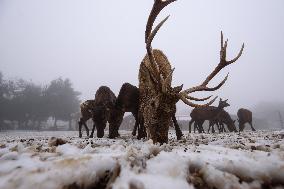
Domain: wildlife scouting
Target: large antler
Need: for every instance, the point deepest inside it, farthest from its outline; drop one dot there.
(149, 36)
(157, 7)
(223, 63)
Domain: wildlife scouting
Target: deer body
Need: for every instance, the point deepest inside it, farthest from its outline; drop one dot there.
(86, 114)
(223, 118)
(127, 101)
(98, 110)
(199, 115)
(157, 97)
(244, 116)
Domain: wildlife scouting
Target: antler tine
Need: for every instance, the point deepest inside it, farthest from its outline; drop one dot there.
(154, 65)
(198, 99)
(203, 87)
(238, 56)
(197, 105)
(166, 82)
(156, 9)
(223, 63)
(153, 34)
(222, 40)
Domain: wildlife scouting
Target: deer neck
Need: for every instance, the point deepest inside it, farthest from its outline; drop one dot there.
(218, 110)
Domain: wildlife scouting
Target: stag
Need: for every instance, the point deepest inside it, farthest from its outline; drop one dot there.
(244, 116)
(98, 110)
(223, 118)
(200, 114)
(157, 97)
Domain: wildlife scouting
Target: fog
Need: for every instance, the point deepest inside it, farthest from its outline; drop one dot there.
(101, 42)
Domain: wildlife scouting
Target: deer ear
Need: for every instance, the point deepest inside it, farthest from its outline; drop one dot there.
(220, 99)
(226, 100)
(177, 89)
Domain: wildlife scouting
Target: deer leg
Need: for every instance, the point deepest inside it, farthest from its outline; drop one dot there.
(212, 127)
(224, 129)
(141, 129)
(221, 127)
(93, 129)
(136, 125)
(189, 126)
(199, 127)
(86, 127)
(241, 127)
(209, 127)
(80, 128)
(195, 126)
(135, 129)
(177, 128)
(252, 128)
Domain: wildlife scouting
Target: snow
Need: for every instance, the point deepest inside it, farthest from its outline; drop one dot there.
(57, 160)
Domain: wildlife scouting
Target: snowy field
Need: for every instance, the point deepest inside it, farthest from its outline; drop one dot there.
(61, 160)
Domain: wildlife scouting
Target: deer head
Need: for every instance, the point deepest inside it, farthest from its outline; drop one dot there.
(223, 103)
(164, 97)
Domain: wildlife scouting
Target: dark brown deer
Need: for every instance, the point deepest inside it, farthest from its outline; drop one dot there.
(98, 110)
(244, 116)
(223, 118)
(200, 114)
(86, 114)
(157, 97)
(104, 98)
(128, 101)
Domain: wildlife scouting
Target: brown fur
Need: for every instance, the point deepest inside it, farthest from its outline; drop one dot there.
(156, 107)
(157, 97)
(244, 116)
(127, 101)
(199, 115)
(105, 99)
(86, 114)
(98, 110)
(223, 118)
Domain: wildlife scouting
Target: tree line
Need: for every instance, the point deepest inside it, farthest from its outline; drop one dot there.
(26, 105)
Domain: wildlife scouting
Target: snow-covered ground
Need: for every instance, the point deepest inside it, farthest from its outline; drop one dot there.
(61, 160)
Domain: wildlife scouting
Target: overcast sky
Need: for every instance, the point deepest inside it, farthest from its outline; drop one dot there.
(99, 42)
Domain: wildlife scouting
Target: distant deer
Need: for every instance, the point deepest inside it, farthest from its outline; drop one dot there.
(86, 114)
(199, 115)
(157, 96)
(244, 116)
(98, 110)
(223, 118)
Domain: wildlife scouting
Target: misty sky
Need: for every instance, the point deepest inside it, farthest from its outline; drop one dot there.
(99, 42)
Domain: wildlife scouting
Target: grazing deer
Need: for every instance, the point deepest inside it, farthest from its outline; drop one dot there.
(128, 101)
(98, 110)
(86, 114)
(223, 118)
(200, 114)
(244, 116)
(157, 97)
